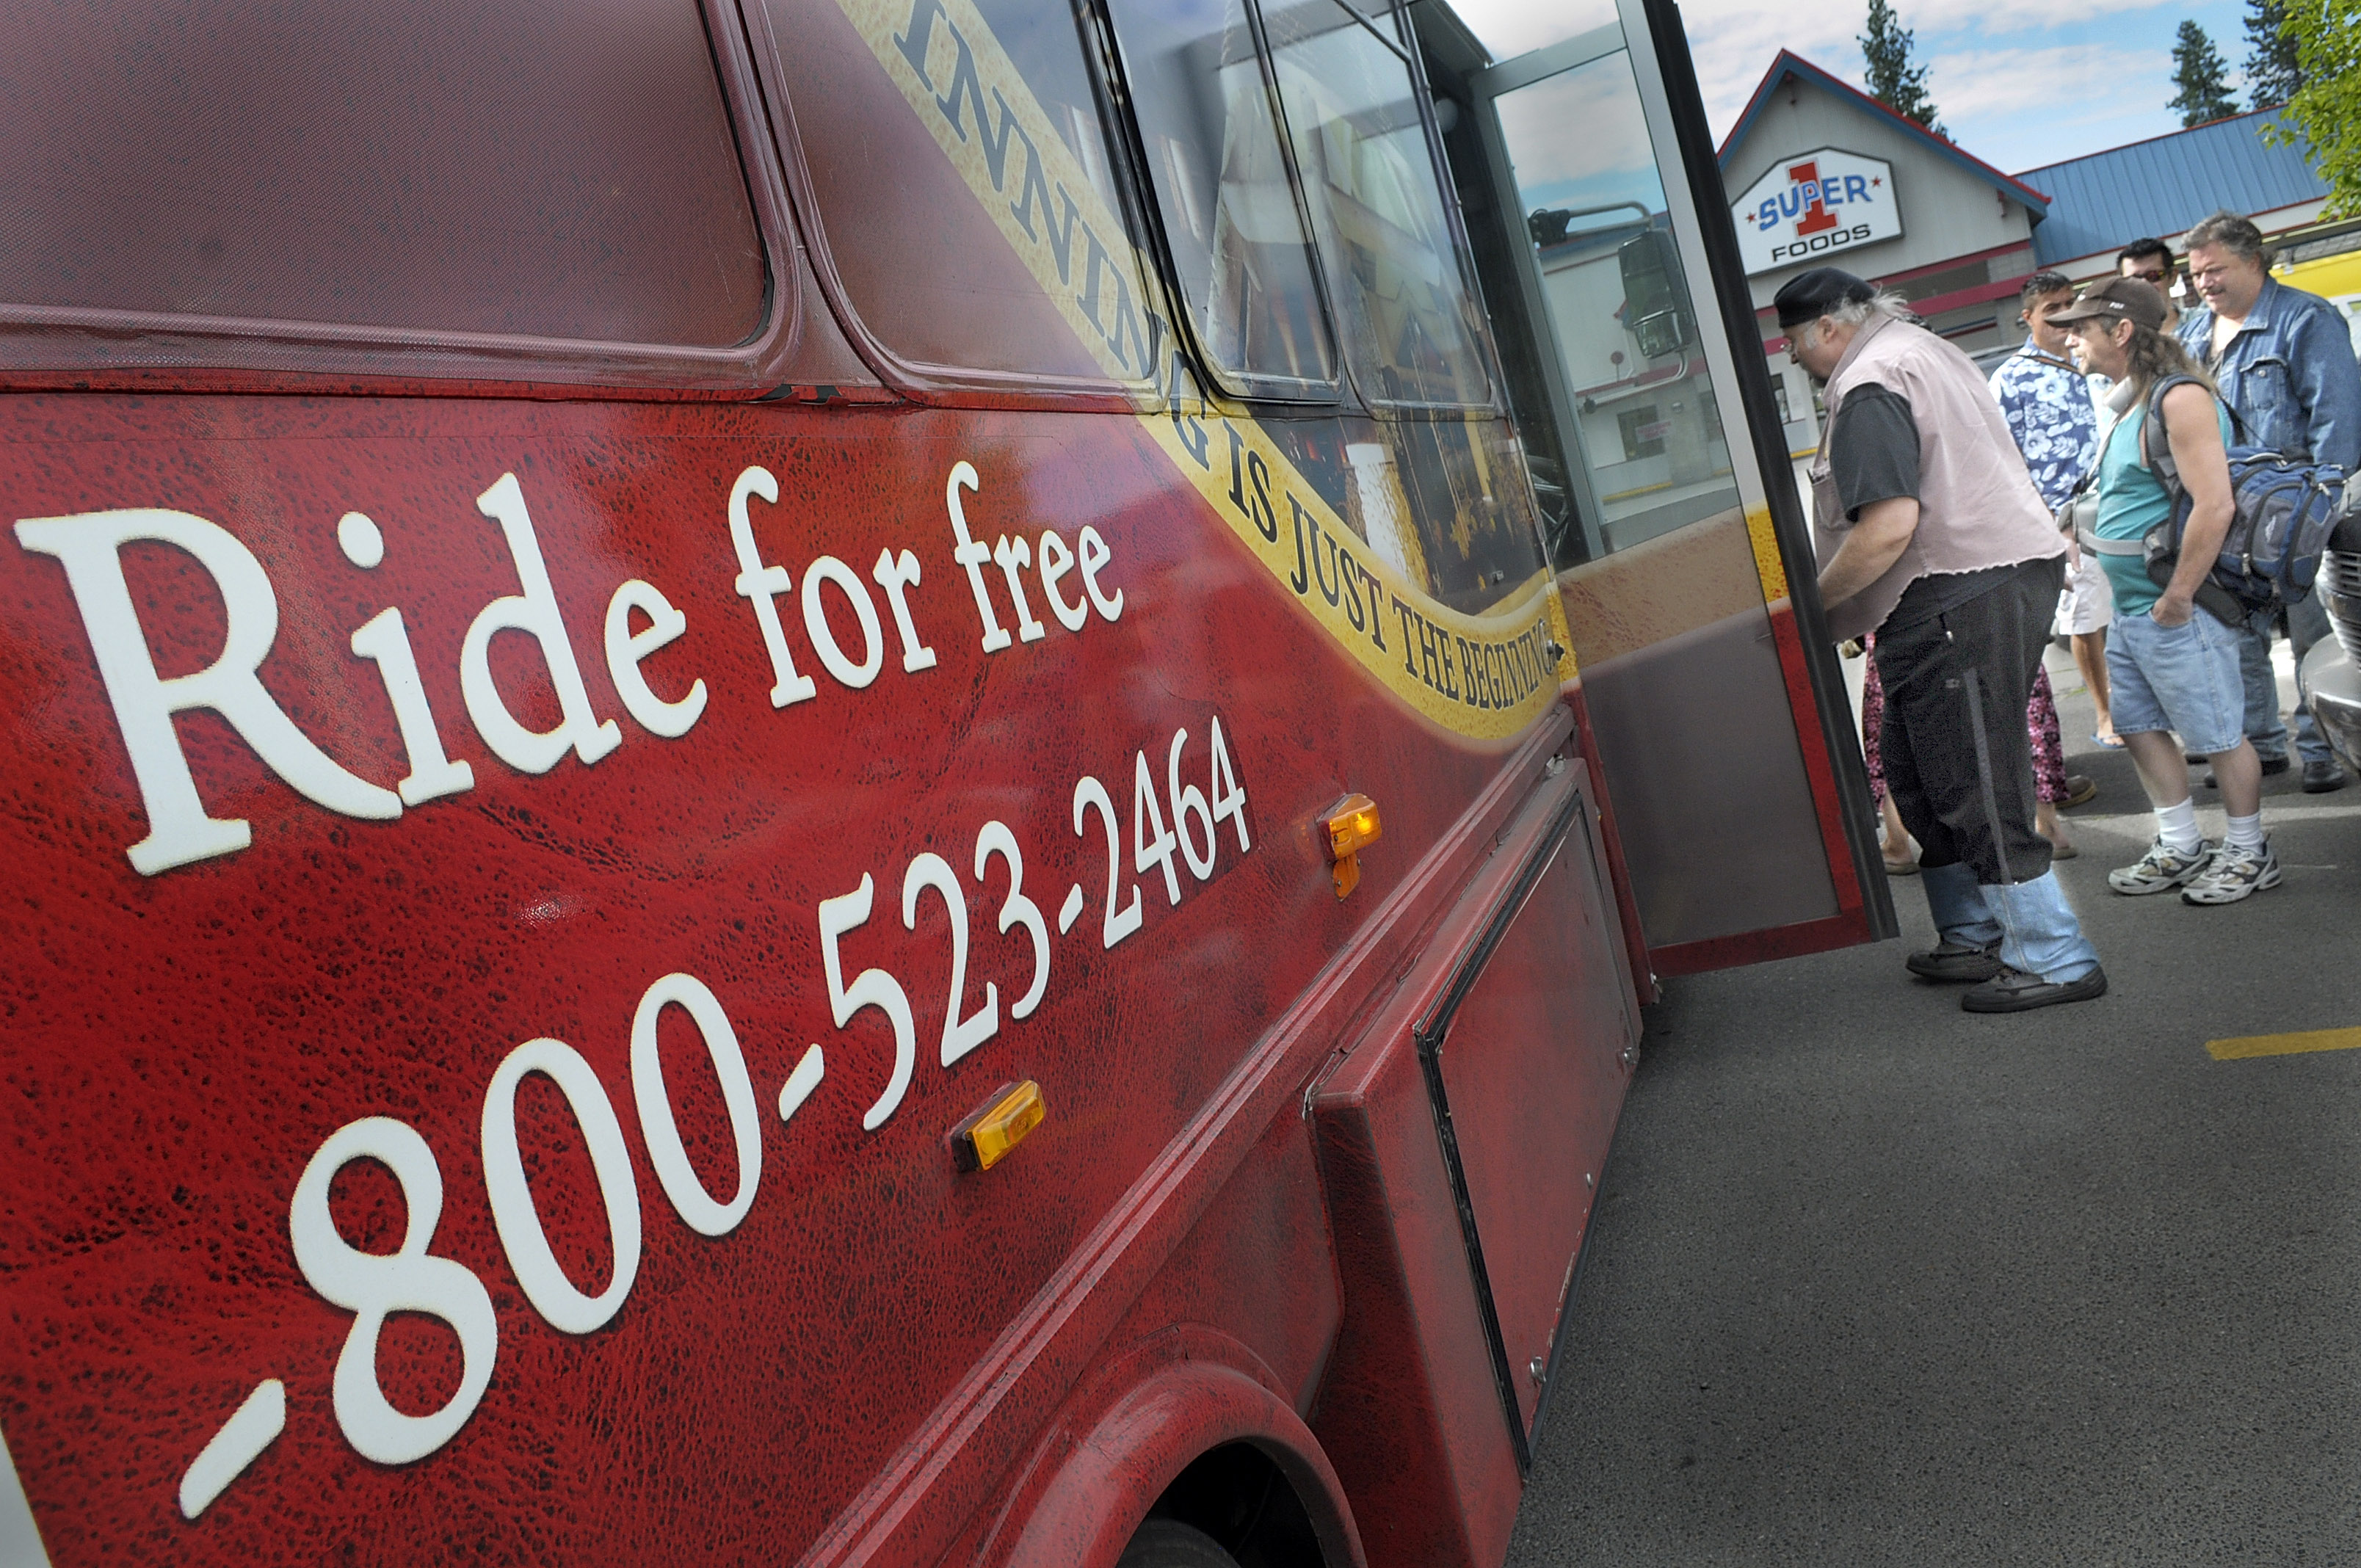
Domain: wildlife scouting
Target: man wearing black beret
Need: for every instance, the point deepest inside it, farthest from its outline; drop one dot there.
(1930, 534)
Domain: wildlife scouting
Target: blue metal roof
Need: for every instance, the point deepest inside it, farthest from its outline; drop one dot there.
(2163, 185)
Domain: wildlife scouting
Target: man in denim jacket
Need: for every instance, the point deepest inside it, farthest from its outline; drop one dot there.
(2284, 360)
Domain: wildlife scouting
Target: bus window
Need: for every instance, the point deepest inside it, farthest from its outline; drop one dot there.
(1626, 322)
(980, 240)
(1409, 326)
(552, 170)
(1236, 238)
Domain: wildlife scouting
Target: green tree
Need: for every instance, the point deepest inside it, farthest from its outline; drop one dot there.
(2274, 70)
(2326, 110)
(2203, 78)
(1894, 81)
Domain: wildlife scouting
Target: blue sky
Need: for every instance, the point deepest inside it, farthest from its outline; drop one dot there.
(2017, 82)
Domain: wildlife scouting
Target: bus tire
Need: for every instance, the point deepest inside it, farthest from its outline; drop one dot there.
(1169, 1543)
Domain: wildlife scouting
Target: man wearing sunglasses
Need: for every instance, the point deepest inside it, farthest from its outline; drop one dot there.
(2150, 261)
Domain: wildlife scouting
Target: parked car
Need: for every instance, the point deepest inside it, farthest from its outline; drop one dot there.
(2331, 674)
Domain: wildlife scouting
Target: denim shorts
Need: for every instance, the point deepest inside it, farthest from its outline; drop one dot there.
(2181, 678)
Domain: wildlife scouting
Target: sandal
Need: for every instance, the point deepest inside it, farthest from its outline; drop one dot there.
(2112, 742)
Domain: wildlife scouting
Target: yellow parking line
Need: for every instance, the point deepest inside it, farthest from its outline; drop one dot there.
(2283, 1045)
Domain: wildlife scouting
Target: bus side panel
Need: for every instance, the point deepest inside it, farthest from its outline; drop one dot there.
(1364, 979)
(1260, 1265)
(1409, 1414)
(1522, 989)
(1253, 1287)
(1534, 1062)
(184, 1043)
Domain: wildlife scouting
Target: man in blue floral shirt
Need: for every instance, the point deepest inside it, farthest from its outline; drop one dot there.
(2049, 410)
(2048, 406)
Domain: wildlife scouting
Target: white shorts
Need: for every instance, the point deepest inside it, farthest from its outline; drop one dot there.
(2088, 604)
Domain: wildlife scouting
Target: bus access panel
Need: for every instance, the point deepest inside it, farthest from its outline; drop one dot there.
(512, 893)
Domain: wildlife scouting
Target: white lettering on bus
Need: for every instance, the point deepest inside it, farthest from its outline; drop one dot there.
(178, 830)
(829, 569)
(535, 612)
(410, 1278)
(562, 1305)
(972, 553)
(626, 648)
(1014, 554)
(1056, 560)
(898, 574)
(760, 584)
(371, 1287)
(385, 642)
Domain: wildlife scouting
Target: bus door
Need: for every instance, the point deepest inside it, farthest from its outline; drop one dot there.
(1715, 705)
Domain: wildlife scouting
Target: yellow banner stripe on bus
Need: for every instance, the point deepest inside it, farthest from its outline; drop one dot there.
(1486, 676)
(1768, 563)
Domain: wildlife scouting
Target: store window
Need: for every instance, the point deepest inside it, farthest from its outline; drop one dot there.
(1643, 433)
(530, 167)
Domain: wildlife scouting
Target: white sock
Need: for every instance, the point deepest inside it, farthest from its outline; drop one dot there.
(2246, 832)
(2177, 826)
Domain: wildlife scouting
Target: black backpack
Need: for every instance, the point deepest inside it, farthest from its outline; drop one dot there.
(2284, 509)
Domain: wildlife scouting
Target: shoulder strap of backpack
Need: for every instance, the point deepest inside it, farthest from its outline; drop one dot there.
(2149, 457)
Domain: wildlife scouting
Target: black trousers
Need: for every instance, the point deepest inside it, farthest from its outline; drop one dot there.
(1956, 688)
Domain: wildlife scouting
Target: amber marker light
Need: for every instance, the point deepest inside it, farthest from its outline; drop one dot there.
(1014, 1109)
(1352, 824)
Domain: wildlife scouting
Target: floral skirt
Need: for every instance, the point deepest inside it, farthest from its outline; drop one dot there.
(2040, 723)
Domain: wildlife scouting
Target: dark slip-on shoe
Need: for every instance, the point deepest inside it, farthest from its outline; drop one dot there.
(2014, 991)
(1952, 961)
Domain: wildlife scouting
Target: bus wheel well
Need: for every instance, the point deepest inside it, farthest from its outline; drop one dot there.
(1241, 1497)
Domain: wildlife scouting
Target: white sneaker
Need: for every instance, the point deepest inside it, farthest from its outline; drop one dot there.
(2161, 870)
(2234, 874)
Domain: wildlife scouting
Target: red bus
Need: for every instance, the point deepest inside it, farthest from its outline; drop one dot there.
(856, 781)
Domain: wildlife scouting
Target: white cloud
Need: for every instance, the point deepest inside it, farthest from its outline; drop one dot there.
(1734, 42)
(2091, 81)
(1927, 16)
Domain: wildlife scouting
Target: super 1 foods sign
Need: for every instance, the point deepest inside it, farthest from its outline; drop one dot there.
(1807, 208)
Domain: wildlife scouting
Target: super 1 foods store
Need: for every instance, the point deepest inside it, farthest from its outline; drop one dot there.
(1820, 174)
(1817, 173)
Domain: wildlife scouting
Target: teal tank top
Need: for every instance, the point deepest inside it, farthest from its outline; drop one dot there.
(2131, 500)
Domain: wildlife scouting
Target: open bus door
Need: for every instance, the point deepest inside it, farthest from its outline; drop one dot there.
(1717, 706)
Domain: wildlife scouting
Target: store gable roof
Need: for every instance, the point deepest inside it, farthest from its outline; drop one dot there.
(1791, 65)
(2163, 184)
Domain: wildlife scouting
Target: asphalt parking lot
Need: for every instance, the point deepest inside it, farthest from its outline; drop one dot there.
(1873, 1280)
